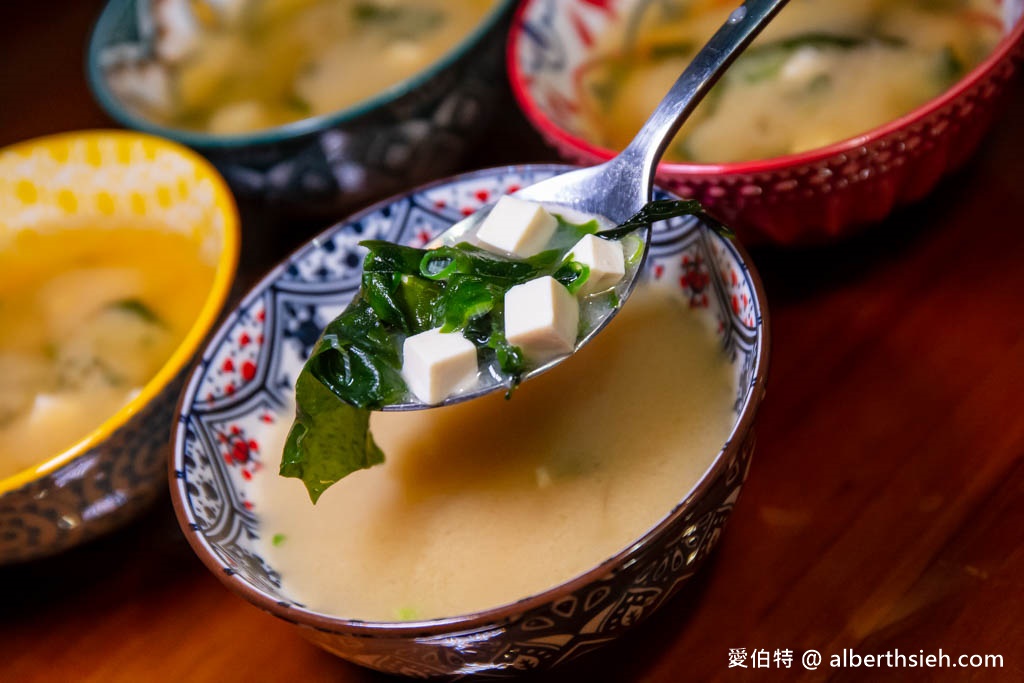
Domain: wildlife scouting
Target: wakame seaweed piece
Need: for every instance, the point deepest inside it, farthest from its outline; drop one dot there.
(298, 104)
(408, 303)
(420, 299)
(510, 358)
(468, 259)
(949, 67)
(836, 40)
(766, 61)
(381, 292)
(467, 297)
(401, 22)
(612, 72)
(576, 231)
(445, 261)
(137, 308)
(357, 358)
(487, 332)
(329, 439)
(663, 209)
(389, 257)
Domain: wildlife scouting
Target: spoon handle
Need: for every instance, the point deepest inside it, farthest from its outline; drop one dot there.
(743, 25)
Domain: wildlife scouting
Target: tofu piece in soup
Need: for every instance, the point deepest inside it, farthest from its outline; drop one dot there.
(605, 260)
(436, 364)
(541, 318)
(517, 227)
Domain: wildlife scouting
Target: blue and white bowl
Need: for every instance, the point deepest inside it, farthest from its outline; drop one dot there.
(235, 396)
(418, 129)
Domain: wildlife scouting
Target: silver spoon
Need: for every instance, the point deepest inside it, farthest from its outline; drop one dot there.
(621, 186)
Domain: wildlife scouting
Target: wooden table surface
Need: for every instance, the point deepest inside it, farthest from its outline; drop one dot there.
(884, 509)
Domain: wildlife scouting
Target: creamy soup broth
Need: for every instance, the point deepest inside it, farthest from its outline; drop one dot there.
(824, 70)
(268, 62)
(482, 503)
(89, 316)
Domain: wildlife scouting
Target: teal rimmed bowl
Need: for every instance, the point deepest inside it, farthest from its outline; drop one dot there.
(416, 130)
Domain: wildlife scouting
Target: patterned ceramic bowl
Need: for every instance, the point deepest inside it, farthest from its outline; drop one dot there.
(412, 132)
(109, 475)
(802, 198)
(231, 404)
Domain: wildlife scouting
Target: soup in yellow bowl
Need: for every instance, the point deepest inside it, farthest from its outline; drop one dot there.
(117, 251)
(90, 314)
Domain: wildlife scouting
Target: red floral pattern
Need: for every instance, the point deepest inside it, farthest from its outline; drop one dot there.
(237, 362)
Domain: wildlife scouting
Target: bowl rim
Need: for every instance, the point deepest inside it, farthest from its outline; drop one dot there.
(277, 134)
(220, 287)
(561, 137)
(741, 429)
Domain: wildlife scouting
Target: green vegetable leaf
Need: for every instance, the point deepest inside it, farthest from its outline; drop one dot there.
(398, 21)
(420, 300)
(297, 104)
(357, 358)
(763, 62)
(468, 297)
(381, 292)
(137, 308)
(663, 209)
(329, 440)
(576, 231)
(950, 67)
(388, 257)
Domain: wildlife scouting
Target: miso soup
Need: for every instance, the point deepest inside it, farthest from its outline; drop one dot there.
(822, 71)
(482, 503)
(230, 68)
(89, 316)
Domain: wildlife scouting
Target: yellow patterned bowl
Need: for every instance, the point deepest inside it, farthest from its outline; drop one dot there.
(110, 178)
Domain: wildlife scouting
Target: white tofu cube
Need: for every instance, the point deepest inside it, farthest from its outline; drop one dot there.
(806, 64)
(517, 227)
(541, 318)
(606, 262)
(436, 364)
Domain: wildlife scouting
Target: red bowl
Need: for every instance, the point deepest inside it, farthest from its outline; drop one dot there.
(810, 197)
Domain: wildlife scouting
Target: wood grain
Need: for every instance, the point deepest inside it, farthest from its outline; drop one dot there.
(885, 507)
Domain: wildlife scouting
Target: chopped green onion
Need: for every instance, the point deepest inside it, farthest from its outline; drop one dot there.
(632, 250)
(572, 274)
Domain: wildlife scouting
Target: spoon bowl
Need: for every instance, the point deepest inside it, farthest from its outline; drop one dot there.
(618, 189)
(595, 312)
